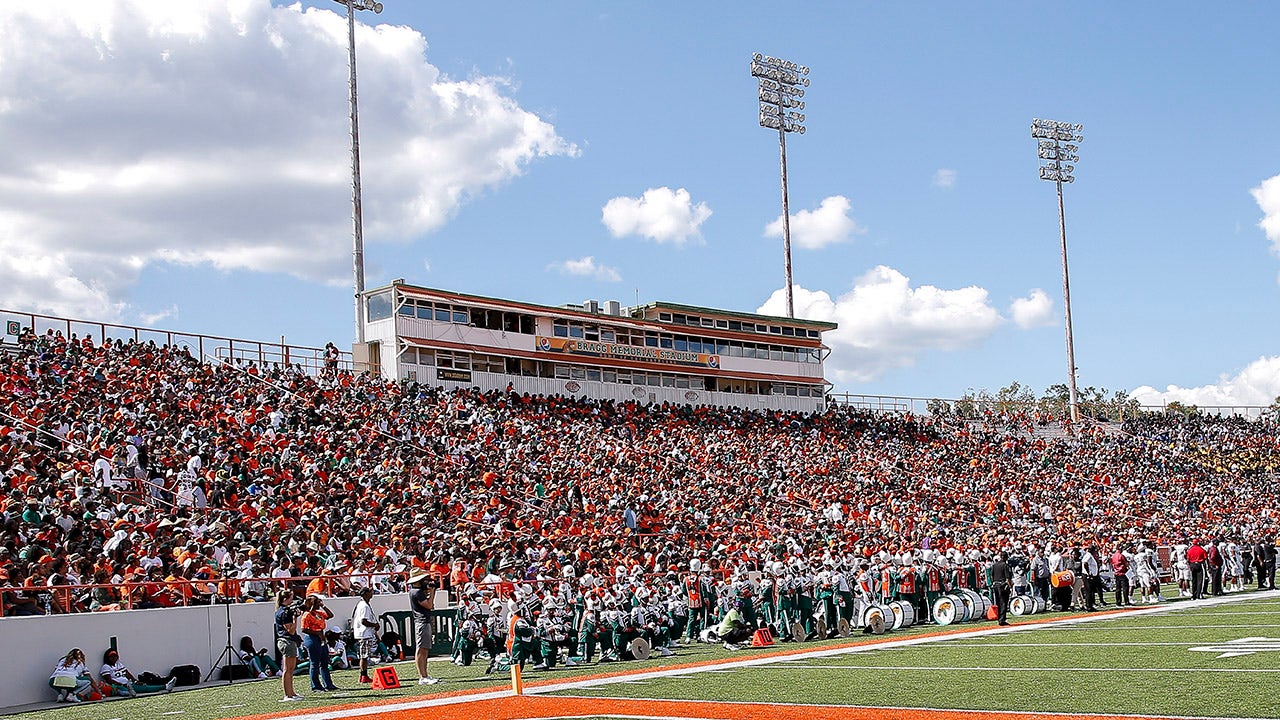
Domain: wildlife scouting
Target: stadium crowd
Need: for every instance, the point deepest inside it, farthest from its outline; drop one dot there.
(164, 479)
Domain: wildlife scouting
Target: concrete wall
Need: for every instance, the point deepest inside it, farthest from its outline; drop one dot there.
(154, 640)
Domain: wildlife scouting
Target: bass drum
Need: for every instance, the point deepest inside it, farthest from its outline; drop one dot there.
(843, 628)
(876, 616)
(1040, 605)
(904, 614)
(980, 604)
(964, 606)
(878, 623)
(821, 625)
(1021, 605)
(797, 631)
(946, 610)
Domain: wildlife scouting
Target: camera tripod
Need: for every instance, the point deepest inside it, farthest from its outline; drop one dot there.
(228, 653)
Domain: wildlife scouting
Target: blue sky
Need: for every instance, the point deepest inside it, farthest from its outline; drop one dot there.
(492, 148)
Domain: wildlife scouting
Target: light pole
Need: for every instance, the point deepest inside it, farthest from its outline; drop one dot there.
(1057, 150)
(782, 84)
(357, 221)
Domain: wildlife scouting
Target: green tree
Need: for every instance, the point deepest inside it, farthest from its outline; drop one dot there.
(1015, 397)
(1177, 408)
(938, 407)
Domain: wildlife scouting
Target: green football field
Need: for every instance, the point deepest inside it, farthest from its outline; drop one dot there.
(1216, 661)
(1219, 661)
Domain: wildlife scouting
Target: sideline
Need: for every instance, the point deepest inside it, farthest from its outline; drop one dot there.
(552, 686)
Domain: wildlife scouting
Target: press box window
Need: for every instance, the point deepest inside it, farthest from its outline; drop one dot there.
(379, 306)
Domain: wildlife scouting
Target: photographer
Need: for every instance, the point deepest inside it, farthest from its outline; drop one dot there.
(422, 603)
(313, 621)
(287, 641)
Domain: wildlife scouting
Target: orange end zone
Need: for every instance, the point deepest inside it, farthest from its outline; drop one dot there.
(543, 707)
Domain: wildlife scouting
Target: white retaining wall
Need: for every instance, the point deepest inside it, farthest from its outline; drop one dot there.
(154, 640)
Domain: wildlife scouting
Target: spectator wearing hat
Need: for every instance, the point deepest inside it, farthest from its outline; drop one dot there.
(422, 605)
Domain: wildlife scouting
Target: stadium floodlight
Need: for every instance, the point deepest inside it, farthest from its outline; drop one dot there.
(357, 221)
(782, 84)
(1057, 148)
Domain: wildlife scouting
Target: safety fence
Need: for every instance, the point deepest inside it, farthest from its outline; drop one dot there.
(152, 594)
(312, 360)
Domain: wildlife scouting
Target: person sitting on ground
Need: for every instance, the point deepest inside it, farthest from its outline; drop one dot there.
(390, 648)
(70, 679)
(258, 659)
(337, 650)
(116, 675)
(733, 629)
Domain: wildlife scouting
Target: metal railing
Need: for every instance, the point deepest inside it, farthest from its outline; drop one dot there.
(146, 594)
(262, 353)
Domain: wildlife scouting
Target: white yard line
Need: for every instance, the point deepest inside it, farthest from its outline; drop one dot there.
(1062, 644)
(1248, 612)
(1153, 627)
(753, 662)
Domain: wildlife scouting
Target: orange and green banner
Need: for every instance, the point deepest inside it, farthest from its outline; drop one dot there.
(626, 352)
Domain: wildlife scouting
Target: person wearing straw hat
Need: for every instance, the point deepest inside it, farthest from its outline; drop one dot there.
(422, 604)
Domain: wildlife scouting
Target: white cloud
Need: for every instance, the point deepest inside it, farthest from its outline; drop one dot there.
(816, 229)
(587, 267)
(45, 283)
(660, 214)
(215, 132)
(152, 319)
(1267, 196)
(1257, 384)
(1035, 310)
(885, 323)
(944, 178)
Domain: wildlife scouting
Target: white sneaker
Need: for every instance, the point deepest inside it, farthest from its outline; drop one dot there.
(665, 652)
(728, 646)
(428, 680)
(568, 662)
(262, 675)
(168, 687)
(72, 697)
(290, 698)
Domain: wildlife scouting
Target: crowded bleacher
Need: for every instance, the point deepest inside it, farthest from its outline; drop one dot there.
(142, 476)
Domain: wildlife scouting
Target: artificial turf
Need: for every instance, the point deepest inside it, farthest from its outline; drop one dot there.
(855, 678)
(1036, 670)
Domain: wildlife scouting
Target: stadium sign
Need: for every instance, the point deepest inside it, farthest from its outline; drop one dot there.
(626, 352)
(1243, 646)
